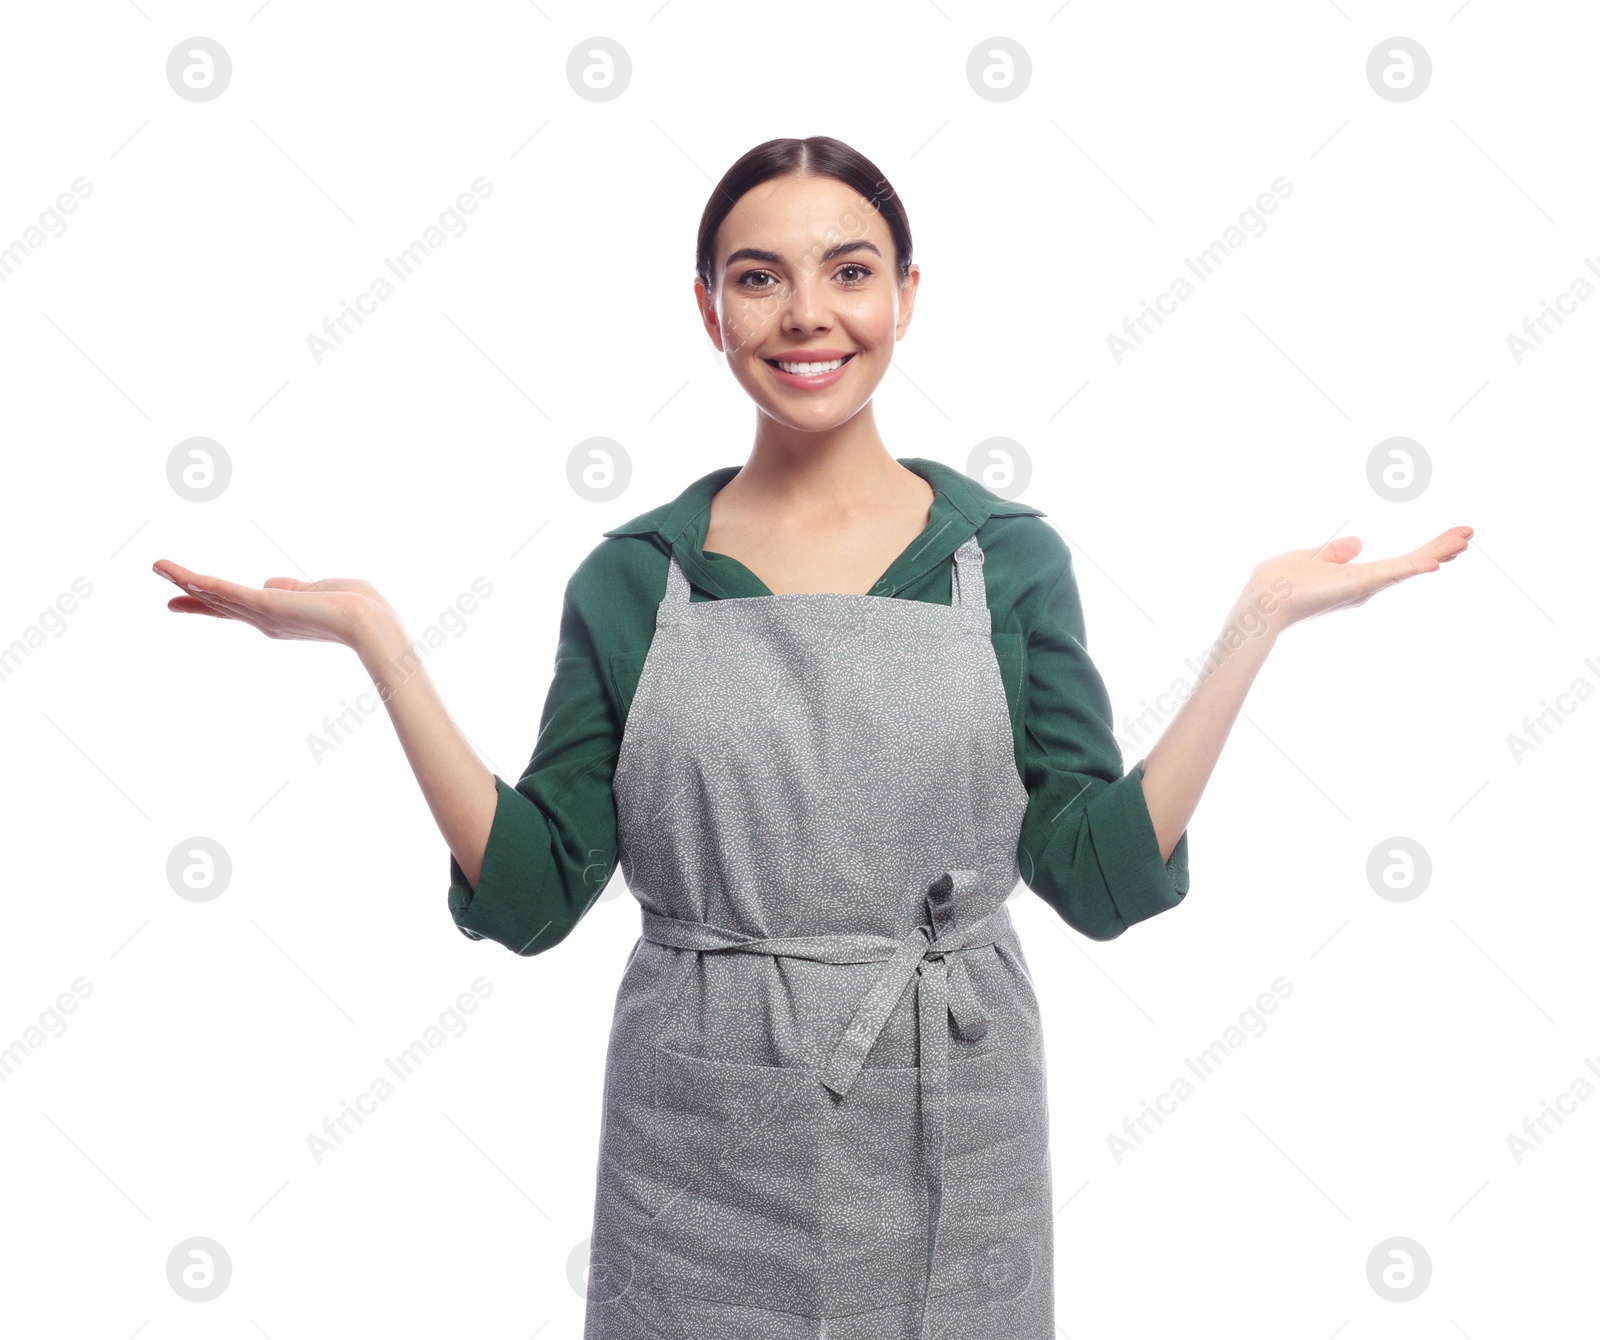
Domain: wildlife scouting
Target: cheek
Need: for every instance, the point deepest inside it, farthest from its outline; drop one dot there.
(748, 321)
(875, 318)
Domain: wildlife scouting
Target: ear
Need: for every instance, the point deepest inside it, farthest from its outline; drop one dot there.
(708, 314)
(908, 299)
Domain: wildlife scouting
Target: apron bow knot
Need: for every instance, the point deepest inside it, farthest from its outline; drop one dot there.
(930, 955)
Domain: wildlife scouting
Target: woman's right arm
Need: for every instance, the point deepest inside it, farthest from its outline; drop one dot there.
(460, 791)
(458, 788)
(526, 862)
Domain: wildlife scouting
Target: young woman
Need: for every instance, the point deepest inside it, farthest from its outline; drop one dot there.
(825, 709)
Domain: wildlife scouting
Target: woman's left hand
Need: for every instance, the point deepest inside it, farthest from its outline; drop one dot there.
(1304, 583)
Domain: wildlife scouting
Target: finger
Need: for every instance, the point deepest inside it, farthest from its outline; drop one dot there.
(197, 583)
(1447, 544)
(234, 592)
(222, 599)
(1340, 550)
(177, 572)
(1427, 558)
(173, 572)
(257, 606)
(1386, 572)
(233, 609)
(189, 605)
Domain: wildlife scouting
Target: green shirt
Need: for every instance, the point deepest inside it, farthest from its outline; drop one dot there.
(1087, 845)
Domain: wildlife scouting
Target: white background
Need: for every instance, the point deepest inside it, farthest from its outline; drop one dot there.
(431, 450)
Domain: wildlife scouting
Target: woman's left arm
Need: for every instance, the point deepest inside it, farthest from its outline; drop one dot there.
(1281, 591)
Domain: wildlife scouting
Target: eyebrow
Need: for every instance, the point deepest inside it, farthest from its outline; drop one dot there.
(773, 258)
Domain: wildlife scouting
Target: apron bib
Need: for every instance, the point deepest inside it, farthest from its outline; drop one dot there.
(825, 1092)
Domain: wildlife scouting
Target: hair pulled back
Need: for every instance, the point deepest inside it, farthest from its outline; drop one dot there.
(817, 156)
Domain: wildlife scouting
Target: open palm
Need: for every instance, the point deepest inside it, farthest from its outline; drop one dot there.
(338, 609)
(1304, 583)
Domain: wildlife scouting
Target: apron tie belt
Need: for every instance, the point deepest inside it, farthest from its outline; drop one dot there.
(929, 956)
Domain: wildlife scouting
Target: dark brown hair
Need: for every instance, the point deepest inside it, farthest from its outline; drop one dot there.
(817, 156)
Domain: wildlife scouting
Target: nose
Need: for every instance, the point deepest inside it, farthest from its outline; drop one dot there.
(807, 306)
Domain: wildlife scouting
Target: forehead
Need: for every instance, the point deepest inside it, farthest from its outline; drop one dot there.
(797, 217)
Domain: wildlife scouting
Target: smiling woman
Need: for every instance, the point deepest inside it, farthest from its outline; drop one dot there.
(825, 710)
(824, 1104)
(809, 221)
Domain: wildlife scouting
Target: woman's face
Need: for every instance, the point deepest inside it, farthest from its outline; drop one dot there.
(803, 272)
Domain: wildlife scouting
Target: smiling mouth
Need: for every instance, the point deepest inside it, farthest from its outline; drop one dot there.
(808, 369)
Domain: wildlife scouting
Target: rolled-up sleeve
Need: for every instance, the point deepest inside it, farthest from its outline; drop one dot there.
(552, 845)
(1088, 846)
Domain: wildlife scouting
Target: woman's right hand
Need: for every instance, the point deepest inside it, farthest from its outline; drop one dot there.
(339, 609)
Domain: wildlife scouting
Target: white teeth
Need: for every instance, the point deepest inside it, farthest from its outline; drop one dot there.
(811, 369)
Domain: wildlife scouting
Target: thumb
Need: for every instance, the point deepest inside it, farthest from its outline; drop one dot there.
(1341, 550)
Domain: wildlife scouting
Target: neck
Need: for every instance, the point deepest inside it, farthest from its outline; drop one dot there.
(837, 470)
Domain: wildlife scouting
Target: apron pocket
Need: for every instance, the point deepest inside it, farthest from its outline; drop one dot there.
(995, 1163)
(995, 1232)
(876, 1197)
(735, 1153)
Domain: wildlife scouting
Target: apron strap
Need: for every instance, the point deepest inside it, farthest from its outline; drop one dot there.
(967, 590)
(677, 590)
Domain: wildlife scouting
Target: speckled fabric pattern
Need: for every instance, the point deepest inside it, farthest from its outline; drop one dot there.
(825, 1095)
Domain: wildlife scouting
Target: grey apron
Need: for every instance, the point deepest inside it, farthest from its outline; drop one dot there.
(825, 1091)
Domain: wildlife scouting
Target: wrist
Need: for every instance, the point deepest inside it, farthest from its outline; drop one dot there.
(1253, 624)
(380, 639)
(1262, 607)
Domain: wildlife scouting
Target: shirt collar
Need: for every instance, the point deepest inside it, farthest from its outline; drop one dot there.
(960, 507)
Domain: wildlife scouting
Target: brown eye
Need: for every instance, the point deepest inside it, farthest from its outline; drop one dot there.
(866, 274)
